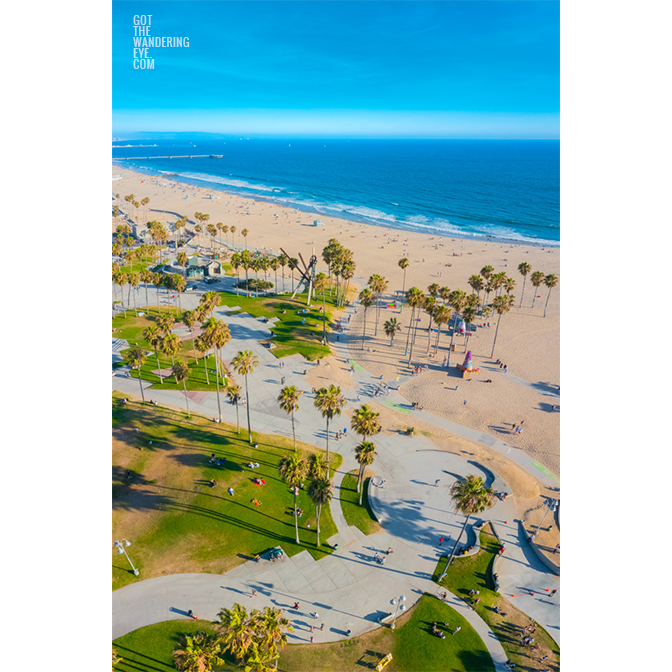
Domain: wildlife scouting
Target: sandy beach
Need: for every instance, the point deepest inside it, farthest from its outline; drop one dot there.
(527, 342)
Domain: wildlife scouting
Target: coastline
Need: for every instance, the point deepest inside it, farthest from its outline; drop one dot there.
(348, 216)
(526, 341)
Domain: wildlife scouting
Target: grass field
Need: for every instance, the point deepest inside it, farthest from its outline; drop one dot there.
(413, 647)
(359, 516)
(163, 502)
(295, 332)
(474, 572)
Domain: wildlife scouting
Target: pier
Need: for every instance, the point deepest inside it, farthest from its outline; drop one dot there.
(189, 156)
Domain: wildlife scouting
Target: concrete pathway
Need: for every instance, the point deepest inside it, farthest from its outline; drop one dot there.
(348, 589)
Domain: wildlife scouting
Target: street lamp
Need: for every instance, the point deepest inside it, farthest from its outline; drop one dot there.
(120, 549)
(399, 602)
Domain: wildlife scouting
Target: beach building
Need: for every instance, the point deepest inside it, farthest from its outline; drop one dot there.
(214, 269)
(194, 268)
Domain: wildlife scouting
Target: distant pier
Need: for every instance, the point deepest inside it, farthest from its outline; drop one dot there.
(190, 156)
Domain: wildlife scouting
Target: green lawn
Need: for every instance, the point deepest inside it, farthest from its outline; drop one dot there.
(359, 516)
(294, 332)
(413, 647)
(139, 265)
(474, 572)
(175, 520)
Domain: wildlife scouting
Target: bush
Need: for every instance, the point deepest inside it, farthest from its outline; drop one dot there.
(255, 284)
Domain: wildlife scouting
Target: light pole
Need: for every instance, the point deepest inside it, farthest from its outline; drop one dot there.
(120, 548)
(399, 602)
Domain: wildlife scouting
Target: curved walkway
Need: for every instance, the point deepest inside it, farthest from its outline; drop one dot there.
(343, 587)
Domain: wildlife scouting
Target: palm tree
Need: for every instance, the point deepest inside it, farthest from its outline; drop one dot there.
(537, 278)
(134, 281)
(523, 269)
(233, 235)
(236, 630)
(391, 328)
(319, 467)
(347, 273)
(415, 298)
(550, 281)
(458, 300)
(273, 627)
(468, 315)
(283, 260)
(320, 491)
(403, 264)
(441, 316)
(244, 363)
(217, 334)
(289, 402)
(501, 304)
(147, 277)
(189, 320)
(329, 401)
(366, 298)
(233, 393)
(170, 345)
(476, 283)
(365, 453)
(244, 233)
(293, 469)
(469, 497)
(321, 283)
(378, 285)
(181, 373)
(153, 336)
(364, 423)
(198, 653)
(201, 344)
(429, 306)
(157, 281)
(179, 285)
(136, 358)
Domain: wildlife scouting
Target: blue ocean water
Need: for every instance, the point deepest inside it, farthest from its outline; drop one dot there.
(507, 189)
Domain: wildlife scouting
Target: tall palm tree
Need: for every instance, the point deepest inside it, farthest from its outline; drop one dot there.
(523, 269)
(321, 284)
(153, 336)
(198, 653)
(364, 423)
(501, 304)
(189, 320)
(391, 328)
(289, 402)
(236, 629)
(283, 260)
(347, 272)
(320, 491)
(366, 298)
(157, 281)
(147, 278)
(134, 281)
(441, 316)
(476, 283)
(201, 344)
(537, 279)
(233, 235)
(273, 629)
(469, 497)
(365, 453)
(233, 393)
(458, 300)
(468, 315)
(293, 470)
(136, 358)
(378, 285)
(550, 281)
(403, 264)
(218, 335)
(329, 401)
(181, 373)
(429, 306)
(179, 285)
(319, 467)
(171, 345)
(244, 363)
(413, 299)
(244, 233)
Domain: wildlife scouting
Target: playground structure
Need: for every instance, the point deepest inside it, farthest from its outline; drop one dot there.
(467, 366)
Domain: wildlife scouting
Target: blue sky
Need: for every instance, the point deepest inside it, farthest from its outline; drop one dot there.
(352, 69)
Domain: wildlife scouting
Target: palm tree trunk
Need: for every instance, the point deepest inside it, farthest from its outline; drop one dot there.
(364, 332)
(296, 516)
(293, 431)
(317, 513)
(184, 383)
(249, 426)
(429, 334)
(403, 289)
(193, 345)
(410, 326)
(237, 420)
(523, 292)
(359, 476)
(142, 392)
(438, 336)
(324, 318)
(452, 338)
(158, 364)
(361, 490)
(147, 298)
(219, 405)
(327, 440)
(452, 553)
(492, 354)
(205, 364)
(547, 298)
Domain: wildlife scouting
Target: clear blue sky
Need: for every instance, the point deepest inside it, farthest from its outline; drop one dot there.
(353, 69)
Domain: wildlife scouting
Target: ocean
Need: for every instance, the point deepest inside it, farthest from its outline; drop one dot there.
(504, 189)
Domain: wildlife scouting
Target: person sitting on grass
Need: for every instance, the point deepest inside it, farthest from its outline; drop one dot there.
(212, 483)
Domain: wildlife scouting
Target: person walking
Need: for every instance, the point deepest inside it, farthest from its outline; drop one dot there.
(296, 605)
(440, 540)
(322, 628)
(553, 592)
(436, 483)
(457, 629)
(254, 593)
